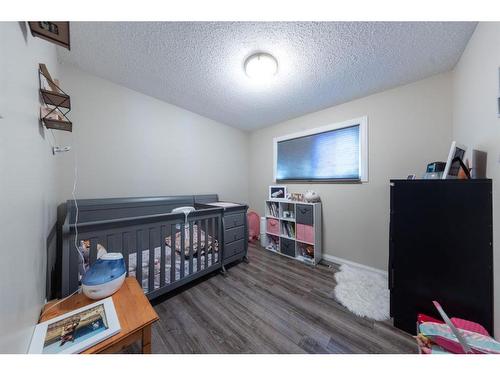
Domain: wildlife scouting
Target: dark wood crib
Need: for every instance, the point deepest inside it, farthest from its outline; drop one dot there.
(161, 249)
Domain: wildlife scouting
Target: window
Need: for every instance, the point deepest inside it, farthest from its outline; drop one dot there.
(337, 152)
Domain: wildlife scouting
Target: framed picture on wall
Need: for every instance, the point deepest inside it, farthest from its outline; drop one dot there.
(277, 192)
(55, 32)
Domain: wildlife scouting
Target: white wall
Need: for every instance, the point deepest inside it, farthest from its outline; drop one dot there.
(130, 144)
(475, 118)
(28, 184)
(408, 127)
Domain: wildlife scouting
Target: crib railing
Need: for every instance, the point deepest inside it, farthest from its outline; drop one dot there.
(145, 239)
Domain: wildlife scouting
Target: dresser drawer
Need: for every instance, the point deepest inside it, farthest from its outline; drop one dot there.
(234, 234)
(236, 220)
(233, 248)
(304, 214)
(287, 247)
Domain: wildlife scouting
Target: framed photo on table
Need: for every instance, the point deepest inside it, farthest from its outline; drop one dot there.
(76, 330)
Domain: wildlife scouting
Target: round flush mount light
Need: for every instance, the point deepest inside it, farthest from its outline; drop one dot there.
(261, 66)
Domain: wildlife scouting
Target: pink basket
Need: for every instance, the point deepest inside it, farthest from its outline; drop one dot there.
(273, 226)
(305, 233)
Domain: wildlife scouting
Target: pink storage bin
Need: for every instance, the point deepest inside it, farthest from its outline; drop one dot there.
(299, 229)
(305, 233)
(273, 226)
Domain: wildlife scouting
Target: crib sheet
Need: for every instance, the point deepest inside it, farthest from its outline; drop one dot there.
(132, 266)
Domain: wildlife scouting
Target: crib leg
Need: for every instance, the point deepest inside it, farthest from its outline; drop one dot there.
(245, 259)
(223, 270)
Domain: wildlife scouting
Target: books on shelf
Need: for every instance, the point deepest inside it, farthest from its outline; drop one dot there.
(288, 229)
(273, 209)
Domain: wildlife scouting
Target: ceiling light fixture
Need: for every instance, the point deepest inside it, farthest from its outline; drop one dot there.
(261, 66)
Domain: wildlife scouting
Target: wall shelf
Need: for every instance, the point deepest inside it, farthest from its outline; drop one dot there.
(58, 124)
(56, 98)
(57, 103)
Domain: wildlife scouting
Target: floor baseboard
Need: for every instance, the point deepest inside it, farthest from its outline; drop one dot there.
(334, 259)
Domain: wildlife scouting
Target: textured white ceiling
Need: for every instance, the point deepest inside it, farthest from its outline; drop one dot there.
(199, 65)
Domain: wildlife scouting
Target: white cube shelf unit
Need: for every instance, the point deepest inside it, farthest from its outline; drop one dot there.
(293, 229)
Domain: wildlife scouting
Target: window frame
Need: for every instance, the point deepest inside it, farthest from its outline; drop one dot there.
(363, 150)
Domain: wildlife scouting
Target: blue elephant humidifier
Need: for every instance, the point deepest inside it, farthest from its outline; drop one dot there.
(105, 276)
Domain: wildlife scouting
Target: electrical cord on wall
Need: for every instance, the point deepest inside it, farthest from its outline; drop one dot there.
(52, 145)
(73, 194)
(77, 248)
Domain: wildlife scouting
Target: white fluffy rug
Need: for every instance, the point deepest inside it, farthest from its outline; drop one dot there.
(363, 292)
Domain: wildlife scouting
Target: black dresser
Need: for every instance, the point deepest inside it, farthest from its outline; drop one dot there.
(441, 248)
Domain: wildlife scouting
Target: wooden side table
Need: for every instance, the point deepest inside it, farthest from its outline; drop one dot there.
(135, 313)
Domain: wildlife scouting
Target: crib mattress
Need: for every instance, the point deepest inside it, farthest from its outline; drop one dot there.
(132, 266)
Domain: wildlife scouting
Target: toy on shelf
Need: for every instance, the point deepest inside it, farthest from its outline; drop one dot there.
(311, 196)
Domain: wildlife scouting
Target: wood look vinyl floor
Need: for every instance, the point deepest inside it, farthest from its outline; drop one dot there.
(270, 305)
